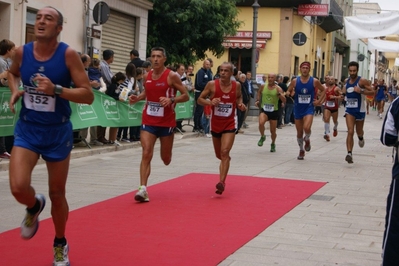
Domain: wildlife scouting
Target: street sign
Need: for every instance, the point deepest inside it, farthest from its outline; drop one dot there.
(101, 12)
(93, 33)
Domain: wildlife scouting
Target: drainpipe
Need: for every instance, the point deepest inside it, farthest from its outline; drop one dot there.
(86, 26)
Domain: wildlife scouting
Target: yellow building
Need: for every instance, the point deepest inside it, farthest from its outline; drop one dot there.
(284, 40)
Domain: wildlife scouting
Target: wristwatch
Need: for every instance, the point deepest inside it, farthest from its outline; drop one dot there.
(57, 89)
(172, 100)
(361, 91)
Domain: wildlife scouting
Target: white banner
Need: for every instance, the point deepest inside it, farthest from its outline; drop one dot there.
(372, 25)
(383, 46)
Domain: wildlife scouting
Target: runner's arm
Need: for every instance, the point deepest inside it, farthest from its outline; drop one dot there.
(322, 96)
(259, 95)
(290, 91)
(366, 86)
(209, 90)
(82, 93)
(281, 95)
(175, 82)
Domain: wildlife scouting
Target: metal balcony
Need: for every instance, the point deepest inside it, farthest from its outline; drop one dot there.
(335, 20)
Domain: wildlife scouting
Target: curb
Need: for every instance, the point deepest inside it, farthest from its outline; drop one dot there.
(79, 152)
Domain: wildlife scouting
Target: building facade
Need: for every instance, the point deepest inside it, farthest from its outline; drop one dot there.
(285, 38)
(125, 27)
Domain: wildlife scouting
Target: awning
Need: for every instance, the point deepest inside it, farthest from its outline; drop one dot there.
(233, 43)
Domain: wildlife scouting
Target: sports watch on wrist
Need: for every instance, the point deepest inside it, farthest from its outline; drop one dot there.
(57, 89)
(172, 100)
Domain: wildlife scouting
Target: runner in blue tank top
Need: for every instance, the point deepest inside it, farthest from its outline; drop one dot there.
(305, 91)
(380, 96)
(46, 68)
(355, 89)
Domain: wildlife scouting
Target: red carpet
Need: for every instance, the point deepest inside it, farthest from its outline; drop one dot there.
(185, 223)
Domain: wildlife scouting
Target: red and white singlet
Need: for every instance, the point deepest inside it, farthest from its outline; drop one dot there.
(154, 114)
(224, 115)
(331, 104)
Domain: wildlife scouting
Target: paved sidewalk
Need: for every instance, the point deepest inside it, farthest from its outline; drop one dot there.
(341, 224)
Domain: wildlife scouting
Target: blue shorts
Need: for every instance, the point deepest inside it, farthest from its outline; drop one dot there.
(299, 114)
(53, 143)
(158, 131)
(379, 99)
(359, 116)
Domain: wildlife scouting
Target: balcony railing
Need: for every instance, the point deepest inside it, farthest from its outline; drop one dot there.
(335, 20)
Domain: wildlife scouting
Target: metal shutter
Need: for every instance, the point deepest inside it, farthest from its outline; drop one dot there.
(118, 35)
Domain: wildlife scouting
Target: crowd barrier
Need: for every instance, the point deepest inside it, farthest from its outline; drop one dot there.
(105, 111)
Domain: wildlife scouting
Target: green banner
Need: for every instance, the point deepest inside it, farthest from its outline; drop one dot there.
(104, 111)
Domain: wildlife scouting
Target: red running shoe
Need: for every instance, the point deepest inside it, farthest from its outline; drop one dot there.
(220, 188)
(335, 133)
(301, 155)
(327, 137)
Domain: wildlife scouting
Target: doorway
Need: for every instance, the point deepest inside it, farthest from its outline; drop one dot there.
(241, 58)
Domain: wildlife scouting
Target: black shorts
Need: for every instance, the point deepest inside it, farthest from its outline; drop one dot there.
(219, 135)
(331, 110)
(271, 115)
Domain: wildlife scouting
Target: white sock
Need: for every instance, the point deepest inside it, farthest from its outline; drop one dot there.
(336, 126)
(327, 128)
(143, 188)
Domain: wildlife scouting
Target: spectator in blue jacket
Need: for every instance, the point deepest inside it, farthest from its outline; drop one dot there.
(204, 75)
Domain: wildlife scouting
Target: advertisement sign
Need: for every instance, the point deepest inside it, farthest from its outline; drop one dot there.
(104, 111)
(313, 10)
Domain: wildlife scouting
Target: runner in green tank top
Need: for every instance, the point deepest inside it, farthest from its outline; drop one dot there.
(267, 101)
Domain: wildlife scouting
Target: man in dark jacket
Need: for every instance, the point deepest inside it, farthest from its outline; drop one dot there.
(203, 76)
(135, 59)
(389, 137)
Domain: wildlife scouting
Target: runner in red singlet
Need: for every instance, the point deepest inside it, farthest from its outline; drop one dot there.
(331, 106)
(159, 118)
(224, 96)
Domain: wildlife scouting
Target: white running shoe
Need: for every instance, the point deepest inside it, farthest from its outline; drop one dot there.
(30, 223)
(61, 255)
(96, 143)
(142, 195)
(208, 135)
(361, 143)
